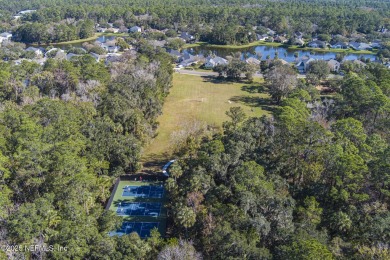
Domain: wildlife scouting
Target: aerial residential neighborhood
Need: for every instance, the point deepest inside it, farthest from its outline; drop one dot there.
(192, 130)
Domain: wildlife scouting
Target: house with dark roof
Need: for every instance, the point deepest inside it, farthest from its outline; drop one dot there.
(339, 45)
(303, 64)
(317, 44)
(359, 46)
(187, 37)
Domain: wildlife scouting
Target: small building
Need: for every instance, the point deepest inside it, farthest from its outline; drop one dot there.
(280, 39)
(6, 36)
(135, 29)
(262, 37)
(334, 65)
(339, 45)
(174, 53)
(37, 51)
(298, 41)
(187, 37)
(26, 12)
(360, 46)
(253, 61)
(212, 62)
(101, 29)
(303, 64)
(71, 56)
(270, 32)
(317, 44)
(298, 35)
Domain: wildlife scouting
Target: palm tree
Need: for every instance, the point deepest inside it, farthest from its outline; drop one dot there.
(186, 217)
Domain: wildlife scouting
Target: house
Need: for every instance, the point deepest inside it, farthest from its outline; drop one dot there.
(95, 56)
(280, 39)
(135, 29)
(303, 64)
(110, 48)
(71, 56)
(376, 44)
(339, 45)
(55, 52)
(298, 41)
(359, 46)
(317, 44)
(174, 53)
(212, 62)
(298, 35)
(113, 30)
(187, 37)
(270, 32)
(253, 61)
(334, 65)
(262, 37)
(101, 29)
(5, 36)
(26, 12)
(37, 52)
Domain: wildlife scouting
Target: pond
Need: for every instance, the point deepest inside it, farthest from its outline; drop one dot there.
(283, 53)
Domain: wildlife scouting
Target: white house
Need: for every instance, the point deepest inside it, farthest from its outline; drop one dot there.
(5, 36)
(262, 37)
(27, 12)
(253, 61)
(212, 62)
(334, 65)
(135, 29)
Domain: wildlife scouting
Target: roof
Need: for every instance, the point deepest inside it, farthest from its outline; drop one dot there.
(6, 34)
(252, 60)
(333, 62)
(33, 49)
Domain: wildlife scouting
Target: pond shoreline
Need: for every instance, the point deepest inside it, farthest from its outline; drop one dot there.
(275, 44)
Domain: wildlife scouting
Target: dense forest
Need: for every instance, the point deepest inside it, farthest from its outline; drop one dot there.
(220, 22)
(68, 129)
(309, 181)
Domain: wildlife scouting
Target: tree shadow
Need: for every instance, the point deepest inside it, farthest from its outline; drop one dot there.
(254, 89)
(265, 104)
(216, 80)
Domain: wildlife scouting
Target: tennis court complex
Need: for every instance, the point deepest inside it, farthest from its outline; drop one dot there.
(143, 191)
(142, 228)
(139, 209)
(141, 205)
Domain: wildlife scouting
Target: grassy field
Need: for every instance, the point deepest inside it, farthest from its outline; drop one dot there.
(194, 97)
(97, 35)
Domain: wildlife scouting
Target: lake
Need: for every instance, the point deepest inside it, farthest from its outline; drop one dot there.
(283, 53)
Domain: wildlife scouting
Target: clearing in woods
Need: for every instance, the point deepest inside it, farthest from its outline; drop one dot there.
(204, 99)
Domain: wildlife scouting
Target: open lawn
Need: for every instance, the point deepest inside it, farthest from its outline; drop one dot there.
(204, 99)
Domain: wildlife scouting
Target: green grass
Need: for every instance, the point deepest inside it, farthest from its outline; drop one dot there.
(197, 98)
(232, 46)
(119, 198)
(97, 35)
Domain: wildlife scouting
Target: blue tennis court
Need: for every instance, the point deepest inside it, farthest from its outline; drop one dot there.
(142, 228)
(151, 209)
(143, 191)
